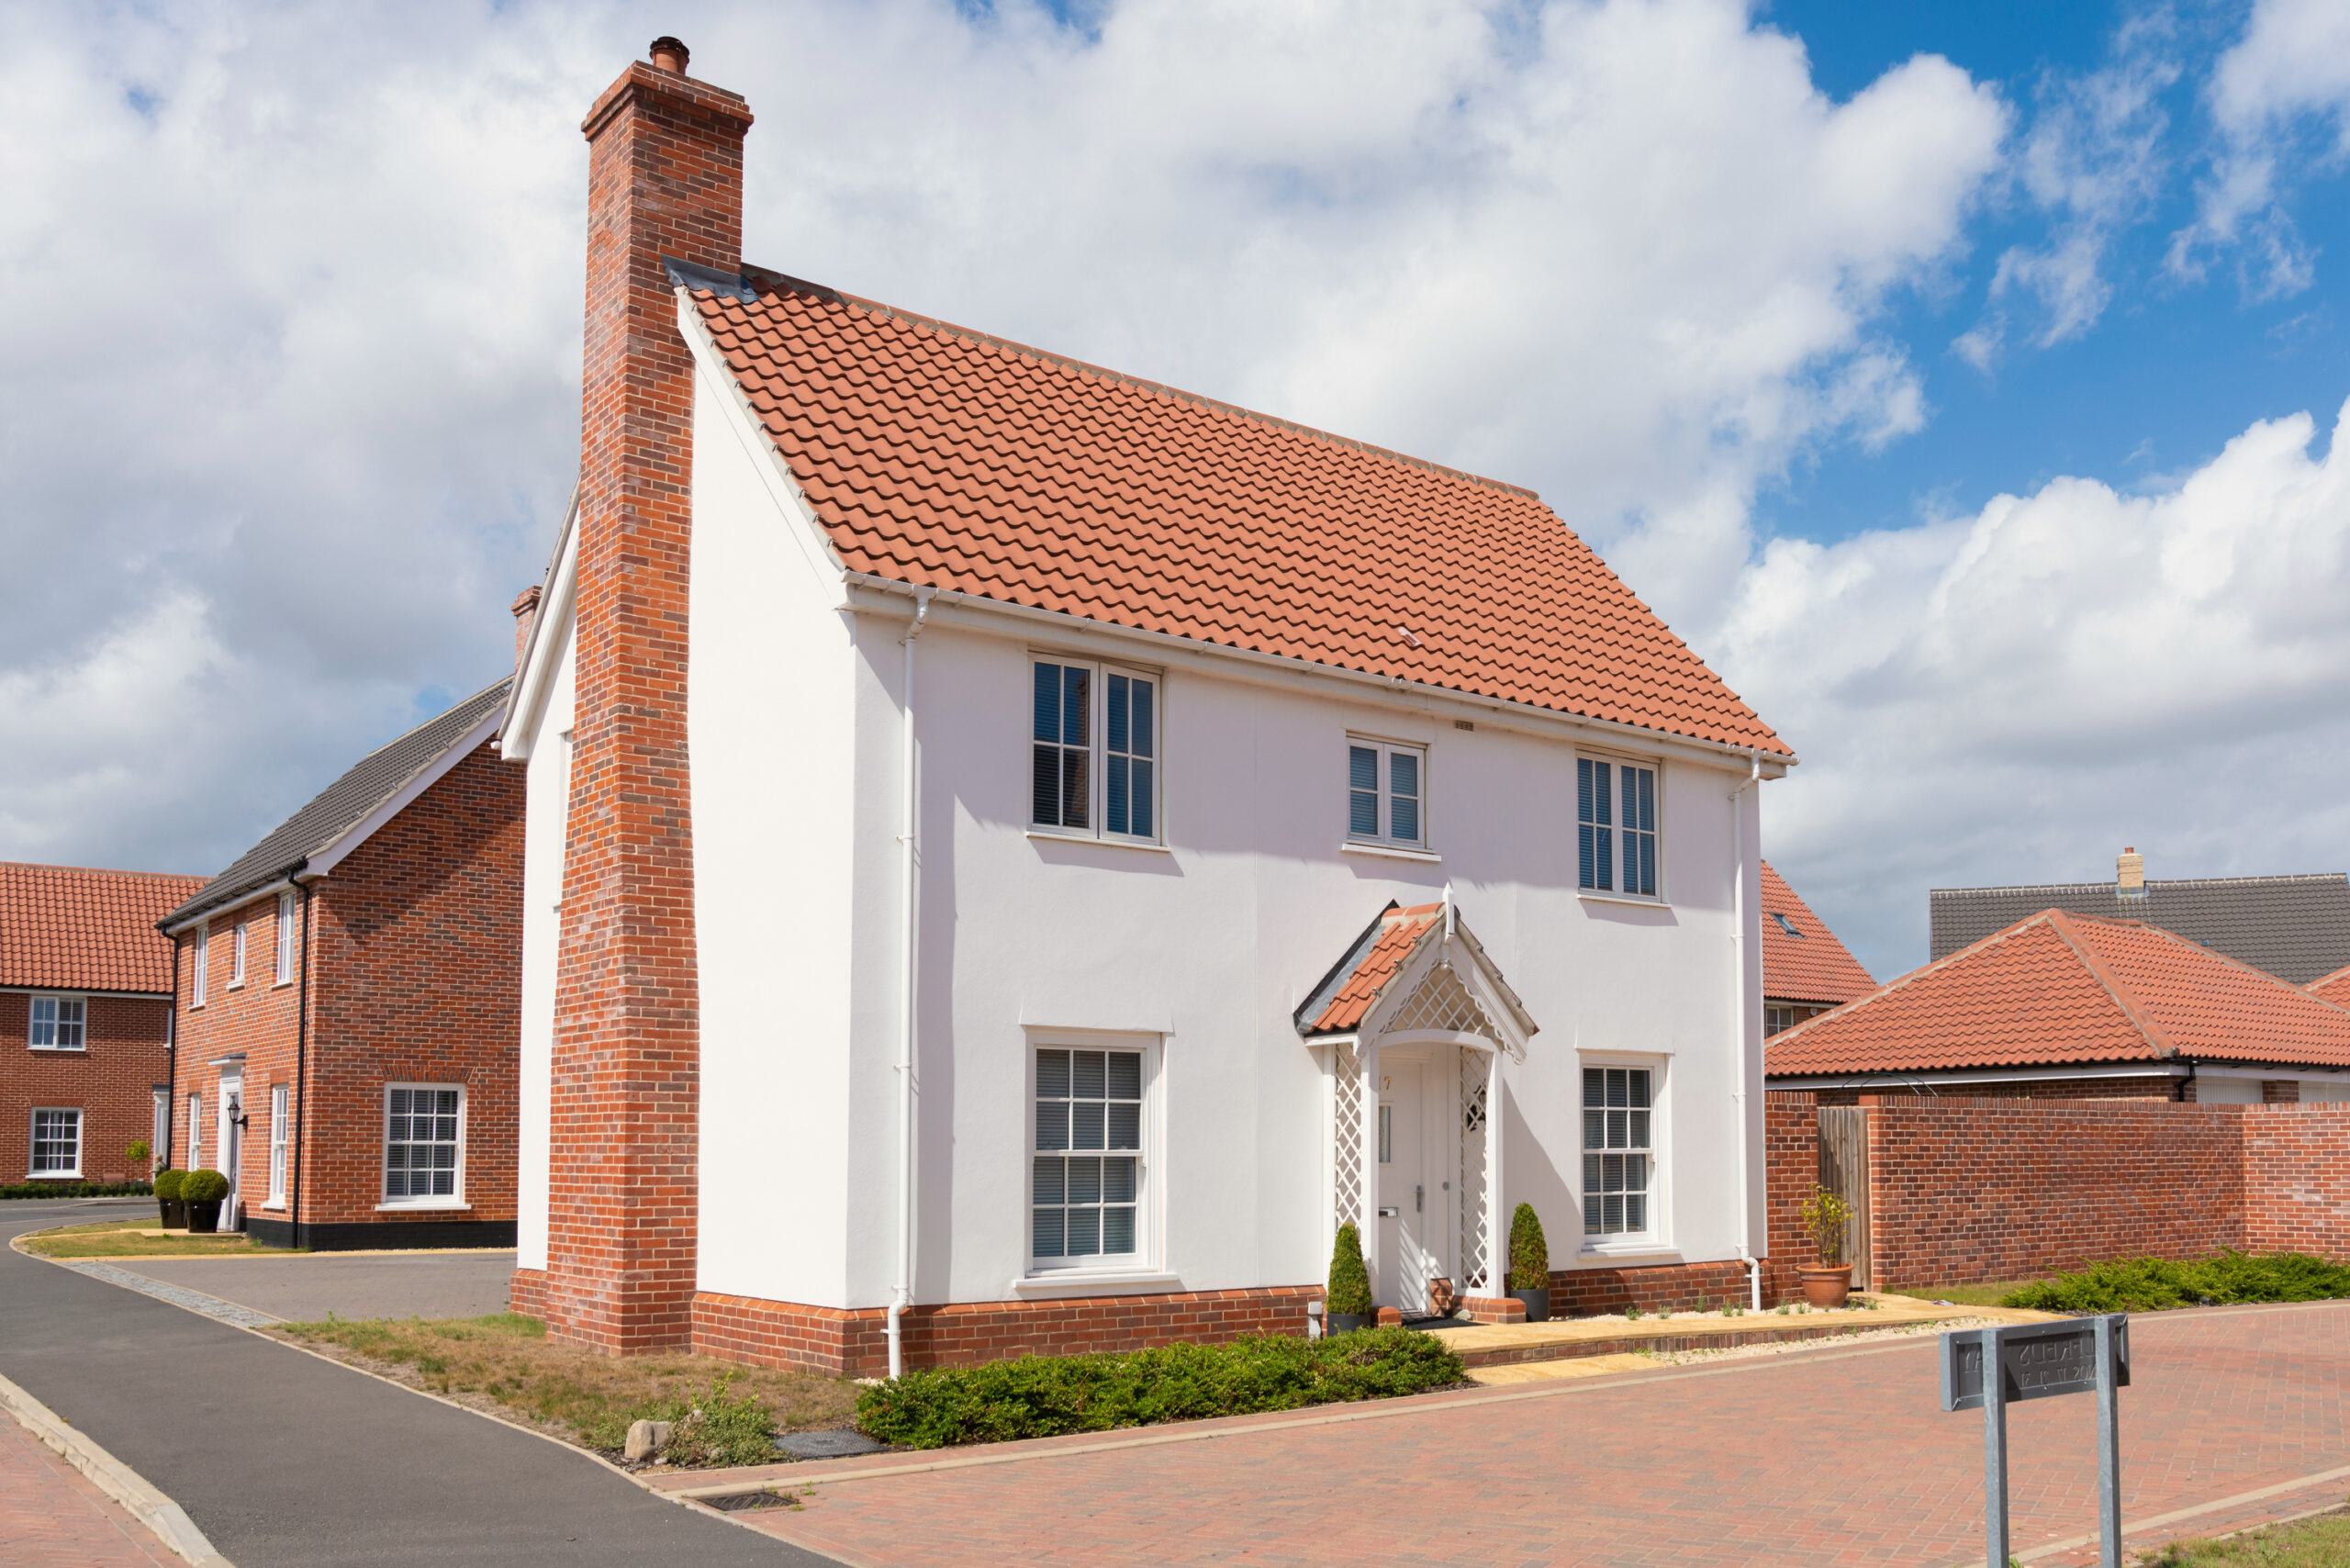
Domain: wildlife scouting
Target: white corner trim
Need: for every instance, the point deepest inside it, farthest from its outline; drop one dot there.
(1050, 837)
(326, 859)
(528, 699)
(117, 1480)
(1390, 852)
(1128, 1282)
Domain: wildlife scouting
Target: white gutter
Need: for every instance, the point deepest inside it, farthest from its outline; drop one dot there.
(1744, 1021)
(901, 1289)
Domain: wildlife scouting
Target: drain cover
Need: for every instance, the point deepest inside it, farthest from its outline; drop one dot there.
(836, 1444)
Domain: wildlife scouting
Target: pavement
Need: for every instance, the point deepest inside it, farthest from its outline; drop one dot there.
(50, 1513)
(1813, 1458)
(284, 1459)
(306, 1287)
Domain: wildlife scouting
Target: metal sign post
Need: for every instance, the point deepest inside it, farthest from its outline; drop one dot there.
(2042, 1361)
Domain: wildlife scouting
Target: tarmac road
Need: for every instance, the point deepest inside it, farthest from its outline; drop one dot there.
(289, 1462)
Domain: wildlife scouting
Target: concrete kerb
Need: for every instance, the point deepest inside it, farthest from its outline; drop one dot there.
(2180, 1515)
(117, 1480)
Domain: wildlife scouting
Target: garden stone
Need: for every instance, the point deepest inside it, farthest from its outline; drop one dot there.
(645, 1439)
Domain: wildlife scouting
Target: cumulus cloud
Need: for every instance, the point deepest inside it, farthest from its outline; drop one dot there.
(1981, 697)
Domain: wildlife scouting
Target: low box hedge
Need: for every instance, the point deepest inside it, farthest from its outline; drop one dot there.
(77, 1190)
(1042, 1396)
(2155, 1284)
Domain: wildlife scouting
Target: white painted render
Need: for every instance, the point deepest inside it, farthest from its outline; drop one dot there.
(542, 740)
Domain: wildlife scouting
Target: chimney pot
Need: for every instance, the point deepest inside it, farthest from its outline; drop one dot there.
(670, 55)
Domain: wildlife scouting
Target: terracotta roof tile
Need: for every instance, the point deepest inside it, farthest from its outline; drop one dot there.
(83, 929)
(2334, 987)
(940, 457)
(1386, 946)
(2058, 989)
(1809, 964)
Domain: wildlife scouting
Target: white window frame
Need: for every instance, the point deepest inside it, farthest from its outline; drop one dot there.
(1620, 839)
(1149, 1200)
(1657, 1236)
(288, 927)
(237, 953)
(52, 1038)
(1100, 757)
(32, 1147)
(453, 1198)
(1776, 1019)
(277, 1129)
(1383, 792)
(195, 1132)
(200, 954)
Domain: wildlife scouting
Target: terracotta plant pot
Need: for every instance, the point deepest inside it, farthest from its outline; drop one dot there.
(1345, 1322)
(1826, 1285)
(1537, 1304)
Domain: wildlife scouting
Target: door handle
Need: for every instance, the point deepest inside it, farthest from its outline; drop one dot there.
(1419, 1200)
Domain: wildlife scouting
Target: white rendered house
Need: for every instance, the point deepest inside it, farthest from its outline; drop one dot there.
(1103, 839)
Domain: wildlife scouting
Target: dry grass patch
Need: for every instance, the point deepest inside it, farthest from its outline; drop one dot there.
(135, 1238)
(2320, 1542)
(507, 1364)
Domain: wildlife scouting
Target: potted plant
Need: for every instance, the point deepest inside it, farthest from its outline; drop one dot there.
(168, 1198)
(1529, 1265)
(1349, 1304)
(204, 1190)
(1828, 1282)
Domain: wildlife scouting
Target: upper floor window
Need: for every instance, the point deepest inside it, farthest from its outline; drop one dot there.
(1387, 793)
(1616, 832)
(199, 954)
(1777, 1018)
(286, 929)
(60, 1023)
(1093, 762)
(237, 955)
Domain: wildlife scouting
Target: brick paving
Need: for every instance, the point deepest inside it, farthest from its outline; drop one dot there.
(1820, 1458)
(50, 1514)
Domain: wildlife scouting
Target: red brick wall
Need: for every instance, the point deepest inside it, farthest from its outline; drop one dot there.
(854, 1343)
(1791, 1155)
(1655, 1287)
(111, 1081)
(258, 1018)
(2297, 1179)
(664, 176)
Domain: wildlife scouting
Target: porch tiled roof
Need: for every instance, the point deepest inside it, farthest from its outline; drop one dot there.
(79, 929)
(1376, 956)
(1809, 964)
(942, 457)
(2061, 988)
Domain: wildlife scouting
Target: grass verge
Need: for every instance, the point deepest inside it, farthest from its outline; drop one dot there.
(2323, 1541)
(505, 1364)
(1992, 1295)
(114, 1239)
(1040, 1396)
(2156, 1284)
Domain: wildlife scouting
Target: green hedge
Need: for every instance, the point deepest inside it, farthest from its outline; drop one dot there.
(1041, 1396)
(2155, 1284)
(77, 1190)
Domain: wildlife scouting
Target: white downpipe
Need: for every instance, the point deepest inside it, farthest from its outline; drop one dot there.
(901, 1289)
(1738, 1012)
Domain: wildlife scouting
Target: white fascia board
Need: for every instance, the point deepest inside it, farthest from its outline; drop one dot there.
(775, 474)
(83, 991)
(1961, 1076)
(268, 890)
(527, 699)
(2272, 1075)
(886, 596)
(324, 859)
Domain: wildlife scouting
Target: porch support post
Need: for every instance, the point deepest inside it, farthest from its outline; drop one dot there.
(1496, 1212)
(1367, 1054)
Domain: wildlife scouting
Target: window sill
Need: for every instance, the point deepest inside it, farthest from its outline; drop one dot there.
(281, 985)
(422, 1208)
(1628, 1249)
(1391, 852)
(278, 1208)
(1081, 1282)
(234, 985)
(61, 1050)
(1105, 841)
(1636, 902)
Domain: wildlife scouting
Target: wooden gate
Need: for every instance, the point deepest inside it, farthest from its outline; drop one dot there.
(1844, 1170)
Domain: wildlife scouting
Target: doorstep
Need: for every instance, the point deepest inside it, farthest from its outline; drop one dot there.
(1506, 1344)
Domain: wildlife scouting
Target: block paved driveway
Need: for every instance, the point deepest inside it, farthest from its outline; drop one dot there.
(50, 1513)
(1828, 1457)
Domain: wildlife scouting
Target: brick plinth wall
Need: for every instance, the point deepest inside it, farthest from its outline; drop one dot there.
(526, 1293)
(665, 178)
(854, 1343)
(1652, 1287)
(2297, 1179)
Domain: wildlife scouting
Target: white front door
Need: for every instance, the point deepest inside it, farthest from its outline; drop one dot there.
(1413, 1234)
(232, 1106)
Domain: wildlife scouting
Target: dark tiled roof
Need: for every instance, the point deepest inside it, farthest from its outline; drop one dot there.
(1806, 963)
(342, 805)
(81, 930)
(2297, 928)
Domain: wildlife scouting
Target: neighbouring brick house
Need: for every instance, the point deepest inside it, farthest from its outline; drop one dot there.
(85, 1020)
(1806, 970)
(2070, 1006)
(1057, 738)
(346, 1001)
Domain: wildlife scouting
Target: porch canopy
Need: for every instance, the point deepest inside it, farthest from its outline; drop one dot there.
(1412, 1024)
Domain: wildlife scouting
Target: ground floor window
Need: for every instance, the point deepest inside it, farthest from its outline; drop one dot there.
(57, 1142)
(423, 1126)
(1618, 1107)
(1085, 1200)
(277, 1143)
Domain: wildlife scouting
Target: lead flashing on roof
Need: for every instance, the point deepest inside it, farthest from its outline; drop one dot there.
(733, 285)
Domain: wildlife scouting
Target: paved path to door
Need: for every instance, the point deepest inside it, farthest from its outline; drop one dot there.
(306, 1286)
(282, 1459)
(1816, 1459)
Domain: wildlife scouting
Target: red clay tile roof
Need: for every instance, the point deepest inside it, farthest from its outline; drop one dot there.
(944, 458)
(1382, 952)
(1813, 967)
(2059, 988)
(81, 930)
(2334, 987)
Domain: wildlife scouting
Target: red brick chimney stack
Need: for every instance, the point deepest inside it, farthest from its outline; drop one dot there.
(526, 612)
(665, 179)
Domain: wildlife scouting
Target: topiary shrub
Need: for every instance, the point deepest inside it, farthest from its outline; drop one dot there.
(1529, 1254)
(204, 1186)
(1350, 1281)
(167, 1183)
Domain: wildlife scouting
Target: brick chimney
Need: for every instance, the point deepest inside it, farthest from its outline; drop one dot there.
(665, 179)
(2129, 874)
(526, 612)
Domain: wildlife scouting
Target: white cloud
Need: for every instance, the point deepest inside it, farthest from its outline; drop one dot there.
(1977, 698)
